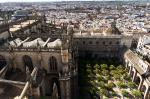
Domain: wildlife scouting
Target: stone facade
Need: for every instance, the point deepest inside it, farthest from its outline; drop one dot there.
(57, 65)
(98, 46)
(138, 75)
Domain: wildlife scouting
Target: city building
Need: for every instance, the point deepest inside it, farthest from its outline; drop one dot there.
(39, 51)
(138, 64)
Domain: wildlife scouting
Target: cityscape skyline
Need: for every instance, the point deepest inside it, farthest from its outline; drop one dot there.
(74, 49)
(61, 0)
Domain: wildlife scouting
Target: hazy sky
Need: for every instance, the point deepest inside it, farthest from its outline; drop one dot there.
(54, 0)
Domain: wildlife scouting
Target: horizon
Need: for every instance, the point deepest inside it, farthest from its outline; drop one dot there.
(7, 1)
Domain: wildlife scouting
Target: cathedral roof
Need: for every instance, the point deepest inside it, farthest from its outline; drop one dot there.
(35, 43)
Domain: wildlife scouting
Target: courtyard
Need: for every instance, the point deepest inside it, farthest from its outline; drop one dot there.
(103, 79)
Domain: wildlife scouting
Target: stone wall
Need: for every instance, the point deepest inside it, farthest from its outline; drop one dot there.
(17, 59)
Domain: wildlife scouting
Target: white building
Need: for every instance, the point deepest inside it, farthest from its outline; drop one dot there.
(143, 46)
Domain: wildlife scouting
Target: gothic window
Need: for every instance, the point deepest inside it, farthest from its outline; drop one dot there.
(77, 42)
(2, 62)
(90, 42)
(117, 42)
(53, 63)
(83, 42)
(110, 43)
(103, 42)
(97, 42)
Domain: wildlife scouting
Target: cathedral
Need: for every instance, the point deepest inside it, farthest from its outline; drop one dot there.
(40, 59)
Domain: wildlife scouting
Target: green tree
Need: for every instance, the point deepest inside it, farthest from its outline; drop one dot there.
(89, 71)
(104, 66)
(89, 66)
(112, 67)
(113, 93)
(121, 71)
(91, 82)
(111, 85)
(127, 77)
(102, 84)
(107, 78)
(96, 66)
(92, 90)
(105, 72)
(104, 92)
(131, 84)
(136, 93)
(125, 93)
(106, 98)
(120, 67)
(117, 76)
(113, 72)
(90, 75)
(97, 71)
(100, 78)
(121, 85)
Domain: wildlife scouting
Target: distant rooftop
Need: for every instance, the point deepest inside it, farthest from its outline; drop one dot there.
(17, 27)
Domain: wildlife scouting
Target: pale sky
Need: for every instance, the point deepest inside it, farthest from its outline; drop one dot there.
(55, 0)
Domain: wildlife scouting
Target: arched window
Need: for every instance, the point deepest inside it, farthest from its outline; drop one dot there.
(143, 89)
(110, 43)
(53, 63)
(103, 42)
(137, 80)
(77, 42)
(83, 42)
(117, 42)
(28, 62)
(97, 42)
(90, 42)
(2, 62)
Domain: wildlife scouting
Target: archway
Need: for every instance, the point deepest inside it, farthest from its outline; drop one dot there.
(143, 89)
(28, 62)
(55, 88)
(2, 62)
(127, 67)
(52, 87)
(137, 80)
(132, 73)
(52, 64)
